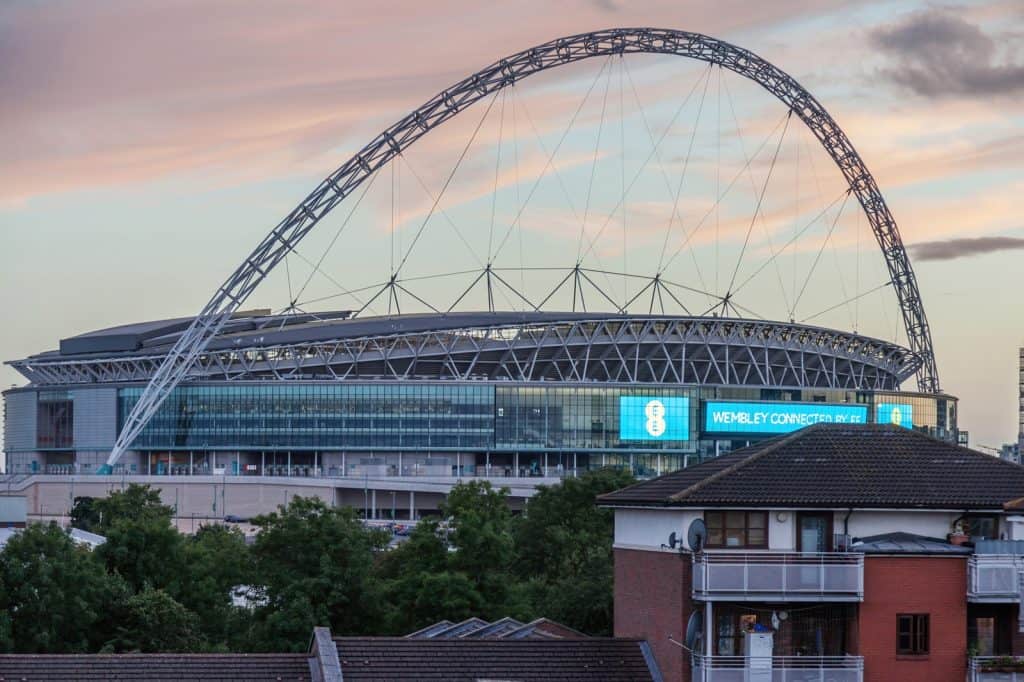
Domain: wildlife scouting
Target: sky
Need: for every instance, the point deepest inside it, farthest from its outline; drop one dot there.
(148, 147)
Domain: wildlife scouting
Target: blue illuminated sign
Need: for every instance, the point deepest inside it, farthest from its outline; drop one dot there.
(900, 414)
(779, 417)
(654, 418)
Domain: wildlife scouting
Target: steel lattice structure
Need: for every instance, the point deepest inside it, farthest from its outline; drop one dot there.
(450, 102)
(543, 347)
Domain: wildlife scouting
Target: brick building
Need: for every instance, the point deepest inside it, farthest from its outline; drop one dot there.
(842, 553)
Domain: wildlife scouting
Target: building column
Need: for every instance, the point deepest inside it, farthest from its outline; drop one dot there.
(344, 472)
(191, 463)
(487, 463)
(263, 463)
(545, 472)
(170, 462)
(289, 462)
(400, 472)
(412, 505)
(315, 459)
(515, 465)
(709, 629)
(373, 503)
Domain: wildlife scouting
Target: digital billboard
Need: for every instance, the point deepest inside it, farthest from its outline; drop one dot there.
(654, 418)
(776, 417)
(900, 414)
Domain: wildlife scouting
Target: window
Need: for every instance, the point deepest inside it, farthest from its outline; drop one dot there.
(983, 526)
(912, 634)
(737, 529)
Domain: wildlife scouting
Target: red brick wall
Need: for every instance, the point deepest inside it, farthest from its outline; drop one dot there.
(652, 601)
(933, 585)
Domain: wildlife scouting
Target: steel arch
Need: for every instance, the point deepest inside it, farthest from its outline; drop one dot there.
(443, 106)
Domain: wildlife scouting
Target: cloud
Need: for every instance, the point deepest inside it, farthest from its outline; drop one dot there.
(948, 249)
(938, 54)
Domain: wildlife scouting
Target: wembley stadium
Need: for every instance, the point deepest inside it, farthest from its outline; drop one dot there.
(514, 349)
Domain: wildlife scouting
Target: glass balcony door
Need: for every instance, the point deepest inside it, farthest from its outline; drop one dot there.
(814, 532)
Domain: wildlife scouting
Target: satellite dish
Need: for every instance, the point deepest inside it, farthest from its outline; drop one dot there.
(694, 629)
(696, 535)
(672, 540)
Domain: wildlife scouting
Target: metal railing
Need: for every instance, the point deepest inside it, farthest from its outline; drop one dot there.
(995, 669)
(760, 575)
(778, 669)
(994, 577)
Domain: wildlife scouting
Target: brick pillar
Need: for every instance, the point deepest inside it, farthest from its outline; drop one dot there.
(653, 602)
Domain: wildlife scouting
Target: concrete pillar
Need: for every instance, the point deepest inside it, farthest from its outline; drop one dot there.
(373, 503)
(289, 462)
(412, 505)
(515, 465)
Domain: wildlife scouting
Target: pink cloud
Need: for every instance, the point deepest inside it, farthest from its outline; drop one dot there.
(114, 94)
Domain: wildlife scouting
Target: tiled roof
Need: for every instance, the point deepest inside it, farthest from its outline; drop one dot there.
(397, 659)
(833, 465)
(156, 667)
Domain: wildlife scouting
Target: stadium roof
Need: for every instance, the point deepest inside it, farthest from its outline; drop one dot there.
(837, 466)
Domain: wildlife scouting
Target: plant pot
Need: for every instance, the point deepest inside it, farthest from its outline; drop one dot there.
(958, 538)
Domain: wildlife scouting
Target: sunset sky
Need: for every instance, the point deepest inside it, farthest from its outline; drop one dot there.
(148, 146)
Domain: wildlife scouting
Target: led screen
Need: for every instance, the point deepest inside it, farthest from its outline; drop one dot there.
(781, 417)
(654, 418)
(900, 414)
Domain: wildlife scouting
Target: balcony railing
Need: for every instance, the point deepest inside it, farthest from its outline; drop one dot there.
(994, 577)
(788, 576)
(778, 669)
(995, 669)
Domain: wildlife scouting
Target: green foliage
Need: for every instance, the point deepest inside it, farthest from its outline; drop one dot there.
(55, 596)
(481, 535)
(563, 547)
(134, 503)
(420, 586)
(84, 514)
(153, 622)
(145, 551)
(310, 565)
(315, 566)
(216, 561)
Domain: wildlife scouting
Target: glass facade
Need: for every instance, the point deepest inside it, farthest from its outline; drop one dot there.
(479, 417)
(318, 417)
(55, 420)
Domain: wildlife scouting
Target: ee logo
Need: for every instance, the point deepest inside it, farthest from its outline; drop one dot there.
(654, 410)
(896, 417)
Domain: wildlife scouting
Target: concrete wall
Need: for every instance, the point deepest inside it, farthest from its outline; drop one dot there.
(19, 421)
(650, 528)
(932, 585)
(652, 602)
(95, 419)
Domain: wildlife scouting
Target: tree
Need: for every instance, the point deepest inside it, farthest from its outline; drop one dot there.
(420, 587)
(84, 514)
(153, 622)
(55, 597)
(315, 567)
(134, 503)
(563, 547)
(481, 535)
(145, 551)
(216, 561)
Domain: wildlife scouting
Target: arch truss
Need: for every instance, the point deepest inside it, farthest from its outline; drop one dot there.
(450, 102)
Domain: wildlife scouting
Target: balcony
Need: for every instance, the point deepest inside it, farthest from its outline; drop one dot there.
(994, 578)
(778, 669)
(994, 669)
(778, 576)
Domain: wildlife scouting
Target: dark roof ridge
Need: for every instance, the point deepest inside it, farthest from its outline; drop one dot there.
(770, 447)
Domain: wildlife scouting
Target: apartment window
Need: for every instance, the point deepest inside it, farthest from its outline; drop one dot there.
(983, 526)
(912, 634)
(737, 529)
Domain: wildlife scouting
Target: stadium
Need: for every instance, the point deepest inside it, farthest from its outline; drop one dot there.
(362, 404)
